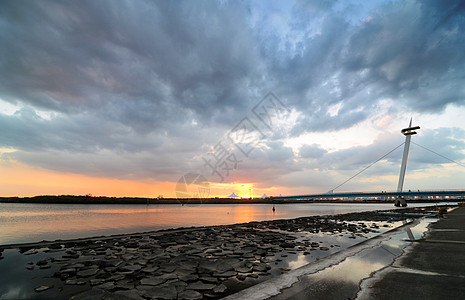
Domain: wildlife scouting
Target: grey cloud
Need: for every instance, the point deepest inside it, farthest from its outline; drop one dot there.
(311, 151)
(25, 130)
(324, 122)
(170, 78)
(132, 166)
(86, 145)
(311, 180)
(265, 164)
(447, 142)
(278, 152)
(408, 51)
(411, 48)
(124, 78)
(148, 56)
(332, 169)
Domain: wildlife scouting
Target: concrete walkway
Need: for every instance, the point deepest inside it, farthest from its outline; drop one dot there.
(434, 268)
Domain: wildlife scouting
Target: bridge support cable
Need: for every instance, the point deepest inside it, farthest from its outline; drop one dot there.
(367, 167)
(451, 160)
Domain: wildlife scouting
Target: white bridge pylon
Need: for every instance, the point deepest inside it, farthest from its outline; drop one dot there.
(408, 132)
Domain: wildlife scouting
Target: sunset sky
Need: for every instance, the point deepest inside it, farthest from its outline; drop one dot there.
(127, 98)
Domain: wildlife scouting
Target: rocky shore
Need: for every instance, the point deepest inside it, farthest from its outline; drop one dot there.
(190, 263)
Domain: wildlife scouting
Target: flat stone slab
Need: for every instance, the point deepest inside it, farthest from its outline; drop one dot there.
(189, 295)
(242, 268)
(75, 282)
(162, 292)
(225, 274)
(201, 286)
(131, 268)
(150, 269)
(153, 281)
(42, 288)
(30, 252)
(131, 294)
(96, 281)
(87, 273)
(220, 288)
(106, 286)
(89, 295)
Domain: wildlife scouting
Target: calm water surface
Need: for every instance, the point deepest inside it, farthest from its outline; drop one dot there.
(22, 223)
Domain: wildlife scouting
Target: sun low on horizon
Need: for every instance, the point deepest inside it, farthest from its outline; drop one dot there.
(36, 182)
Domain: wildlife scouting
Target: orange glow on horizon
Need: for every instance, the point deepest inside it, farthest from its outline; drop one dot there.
(17, 179)
(21, 180)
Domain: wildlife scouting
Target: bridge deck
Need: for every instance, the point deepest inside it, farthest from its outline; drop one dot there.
(453, 194)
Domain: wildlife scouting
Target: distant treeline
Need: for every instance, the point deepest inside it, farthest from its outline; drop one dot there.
(89, 199)
(71, 199)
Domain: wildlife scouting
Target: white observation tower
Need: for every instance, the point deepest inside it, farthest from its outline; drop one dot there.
(408, 132)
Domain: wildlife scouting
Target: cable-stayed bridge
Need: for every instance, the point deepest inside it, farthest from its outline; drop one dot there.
(420, 195)
(398, 196)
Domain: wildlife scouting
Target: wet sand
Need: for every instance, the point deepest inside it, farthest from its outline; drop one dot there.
(188, 263)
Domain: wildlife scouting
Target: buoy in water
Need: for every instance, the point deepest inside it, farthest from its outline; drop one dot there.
(274, 209)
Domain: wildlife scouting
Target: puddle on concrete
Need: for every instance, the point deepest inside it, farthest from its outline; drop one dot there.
(288, 260)
(342, 280)
(331, 243)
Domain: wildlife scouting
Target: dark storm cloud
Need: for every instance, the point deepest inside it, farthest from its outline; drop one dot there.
(133, 79)
(87, 145)
(81, 133)
(412, 49)
(408, 51)
(127, 59)
(124, 78)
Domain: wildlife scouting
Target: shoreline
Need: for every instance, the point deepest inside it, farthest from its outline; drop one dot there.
(407, 212)
(292, 284)
(435, 263)
(65, 222)
(195, 262)
(69, 199)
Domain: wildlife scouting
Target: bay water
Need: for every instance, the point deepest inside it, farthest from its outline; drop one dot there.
(25, 223)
